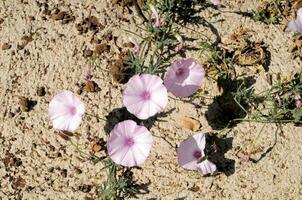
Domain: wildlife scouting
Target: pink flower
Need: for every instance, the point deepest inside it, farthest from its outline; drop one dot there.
(244, 158)
(156, 24)
(191, 155)
(184, 77)
(216, 2)
(298, 103)
(145, 95)
(129, 144)
(66, 110)
(136, 48)
(296, 25)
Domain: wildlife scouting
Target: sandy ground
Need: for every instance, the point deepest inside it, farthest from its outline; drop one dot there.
(35, 163)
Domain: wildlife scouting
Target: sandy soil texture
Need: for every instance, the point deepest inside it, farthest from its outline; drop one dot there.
(47, 47)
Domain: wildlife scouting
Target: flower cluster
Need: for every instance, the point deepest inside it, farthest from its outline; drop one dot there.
(145, 95)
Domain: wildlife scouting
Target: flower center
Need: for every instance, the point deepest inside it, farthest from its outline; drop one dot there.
(197, 154)
(180, 72)
(146, 95)
(72, 110)
(129, 142)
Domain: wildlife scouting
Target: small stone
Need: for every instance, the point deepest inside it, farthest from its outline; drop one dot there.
(31, 18)
(41, 91)
(96, 147)
(27, 38)
(78, 170)
(17, 162)
(195, 188)
(6, 46)
(58, 16)
(79, 91)
(64, 173)
(108, 37)
(11, 114)
(85, 188)
(128, 44)
(87, 53)
(95, 40)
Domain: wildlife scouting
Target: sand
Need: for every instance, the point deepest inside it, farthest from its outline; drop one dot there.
(35, 163)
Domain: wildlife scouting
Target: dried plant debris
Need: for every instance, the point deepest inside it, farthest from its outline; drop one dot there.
(275, 11)
(10, 160)
(287, 99)
(270, 11)
(245, 51)
(66, 135)
(19, 183)
(251, 54)
(95, 40)
(296, 49)
(296, 4)
(238, 55)
(89, 24)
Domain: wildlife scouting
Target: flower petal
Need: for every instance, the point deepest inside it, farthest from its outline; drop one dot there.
(206, 167)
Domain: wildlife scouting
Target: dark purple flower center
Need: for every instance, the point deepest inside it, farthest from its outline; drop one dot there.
(129, 142)
(146, 95)
(197, 154)
(72, 110)
(180, 72)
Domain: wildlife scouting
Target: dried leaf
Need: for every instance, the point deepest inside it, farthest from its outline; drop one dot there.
(189, 123)
(90, 86)
(195, 188)
(96, 147)
(6, 46)
(19, 183)
(297, 4)
(24, 104)
(250, 55)
(65, 135)
(101, 48)
(117, 70)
